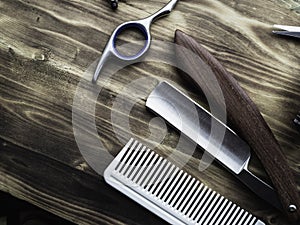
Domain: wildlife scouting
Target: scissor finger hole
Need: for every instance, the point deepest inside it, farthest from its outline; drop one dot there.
(131, 41)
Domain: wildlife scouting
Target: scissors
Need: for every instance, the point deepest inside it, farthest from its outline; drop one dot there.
(144, 26)
(292, 31)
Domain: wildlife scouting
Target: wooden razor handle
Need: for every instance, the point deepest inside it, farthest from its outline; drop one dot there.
(245, 117)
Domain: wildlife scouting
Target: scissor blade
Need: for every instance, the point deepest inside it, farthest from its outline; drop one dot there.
(287, 28)
(292, 31)
(164, 11)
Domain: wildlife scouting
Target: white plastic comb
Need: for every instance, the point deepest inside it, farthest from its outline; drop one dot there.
(169, 192)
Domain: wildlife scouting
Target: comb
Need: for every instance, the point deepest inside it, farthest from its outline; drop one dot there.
(169, 192)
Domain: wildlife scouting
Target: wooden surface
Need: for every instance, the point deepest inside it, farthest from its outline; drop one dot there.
(45, 48)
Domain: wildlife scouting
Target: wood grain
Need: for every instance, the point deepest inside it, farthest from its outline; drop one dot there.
(45, 48)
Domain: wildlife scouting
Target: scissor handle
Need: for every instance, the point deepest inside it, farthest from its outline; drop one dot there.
(111, 47)
(144, 27)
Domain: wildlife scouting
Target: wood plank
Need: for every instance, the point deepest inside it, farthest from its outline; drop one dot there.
(45, 48)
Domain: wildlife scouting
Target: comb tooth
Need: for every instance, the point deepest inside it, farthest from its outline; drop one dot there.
(170, 190)
(158, 175)
(183, 196)
(248, 221)
(233, 215)
(160, 180)
(151, 175)
(140, 153)
(190, 197)
(125, 155)
(135, 163)
(228, 204)
(156, 172)
(228, 214)
(195, 203)
(130, 162)
(206, 208)
(142, 170)
(190, 191)
(144, 153)
(174, 172)
(200, 204)
(243, 218)
(223, 201)
(124, 161)
(238, 217)
(253, 221)
(180, 192)
(190, 203)
(176, 189)
(148, 167)
(210, 210)
(218, 201)
(150, 170)
(205, 203)
(163, 183)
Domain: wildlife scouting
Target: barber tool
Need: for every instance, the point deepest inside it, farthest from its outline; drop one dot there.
(297, 121)
(247, 121)
(233, 153)
(292, 31)
(143, 25)
(169, 192)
